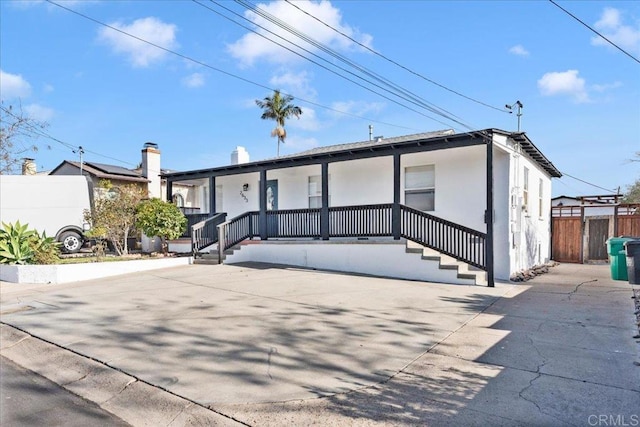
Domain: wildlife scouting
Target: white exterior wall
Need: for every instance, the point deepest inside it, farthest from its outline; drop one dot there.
(362, 182)
(233, 202)
(460, 192)
(529, 234)
(293, 192)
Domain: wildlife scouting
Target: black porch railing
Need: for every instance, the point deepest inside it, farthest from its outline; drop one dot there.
(293, 223)
(205, 233)
(455, 240)
(360, 221)
(193, 219)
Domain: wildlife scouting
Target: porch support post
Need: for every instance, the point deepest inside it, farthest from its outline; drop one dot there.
(324, 210)
(396, 220)
(489, 214)
(212, 195)
(262, 217)
(169, 191)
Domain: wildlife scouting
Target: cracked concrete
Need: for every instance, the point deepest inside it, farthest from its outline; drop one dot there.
(259, 345)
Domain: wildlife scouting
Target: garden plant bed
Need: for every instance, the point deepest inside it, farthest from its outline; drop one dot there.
(85, 268)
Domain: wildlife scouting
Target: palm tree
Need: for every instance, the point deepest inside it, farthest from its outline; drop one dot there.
(278, 107)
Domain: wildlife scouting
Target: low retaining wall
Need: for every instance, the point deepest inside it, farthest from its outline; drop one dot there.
(386, 258)
(65, 273)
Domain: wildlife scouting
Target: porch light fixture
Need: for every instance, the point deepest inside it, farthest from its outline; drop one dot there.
(245, 187)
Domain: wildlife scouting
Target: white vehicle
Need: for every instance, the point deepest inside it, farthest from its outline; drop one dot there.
(51, 204)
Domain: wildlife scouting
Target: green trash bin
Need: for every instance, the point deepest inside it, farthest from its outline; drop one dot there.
(618, 257)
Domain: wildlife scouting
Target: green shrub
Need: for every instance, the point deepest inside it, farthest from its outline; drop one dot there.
(45, 249)
(20, 245)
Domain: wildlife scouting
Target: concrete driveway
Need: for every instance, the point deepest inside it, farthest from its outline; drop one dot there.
(262, 344)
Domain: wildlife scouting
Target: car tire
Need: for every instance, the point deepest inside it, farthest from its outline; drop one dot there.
(71, 242)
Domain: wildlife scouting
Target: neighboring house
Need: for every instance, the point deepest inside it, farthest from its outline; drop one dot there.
(459, 204)
(582, 225)
(148, 176)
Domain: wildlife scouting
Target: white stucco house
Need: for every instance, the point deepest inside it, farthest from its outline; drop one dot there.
(441, 206)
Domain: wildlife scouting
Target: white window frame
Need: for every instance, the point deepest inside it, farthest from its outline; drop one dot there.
(421, 189)
(525, 189)
(318, 193)
(540, 197)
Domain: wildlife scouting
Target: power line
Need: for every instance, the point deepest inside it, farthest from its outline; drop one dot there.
(588, 183)
(595, 31)
(203, 64)
(281, 24)
(313, 42)
(395, 62)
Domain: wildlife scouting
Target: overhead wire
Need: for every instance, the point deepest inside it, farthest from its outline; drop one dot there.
(219, 70)
(395, 62)
(595, 31)
(333, 71)
(586, 182)
(292, 30)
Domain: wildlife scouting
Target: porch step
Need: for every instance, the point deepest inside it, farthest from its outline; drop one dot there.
(207, 258)
(211, 258)
(445, 262)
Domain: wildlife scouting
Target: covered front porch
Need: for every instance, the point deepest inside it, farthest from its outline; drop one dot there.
(431, 190)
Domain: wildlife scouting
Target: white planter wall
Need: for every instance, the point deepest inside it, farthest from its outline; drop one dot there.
(67, 273)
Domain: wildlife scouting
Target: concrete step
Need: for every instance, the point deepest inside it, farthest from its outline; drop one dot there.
(206, 261)
(445, 262)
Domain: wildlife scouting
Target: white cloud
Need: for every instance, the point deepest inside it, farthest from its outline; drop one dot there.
(47, 88)
(296, 84)
(293, 143)
(564, 83)
(193, 80)
(25, 4)
(252, 47)
(141, 54)
(13, 86)
(307, 121)
(605, 87)
(611, 26)
(357, 108)
(519, 50)
(39, 112)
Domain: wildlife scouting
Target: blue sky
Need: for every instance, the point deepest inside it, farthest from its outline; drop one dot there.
(111, 93)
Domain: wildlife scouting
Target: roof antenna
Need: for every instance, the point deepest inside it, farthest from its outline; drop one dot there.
(370, 132)
(510, 108)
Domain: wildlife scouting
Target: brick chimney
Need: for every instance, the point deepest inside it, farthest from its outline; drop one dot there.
(29, 167)
(151, 168)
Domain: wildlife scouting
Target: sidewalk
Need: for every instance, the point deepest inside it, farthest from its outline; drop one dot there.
(342, 350)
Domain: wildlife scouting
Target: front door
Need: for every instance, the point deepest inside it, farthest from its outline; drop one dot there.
(598, 233)
(272, 205)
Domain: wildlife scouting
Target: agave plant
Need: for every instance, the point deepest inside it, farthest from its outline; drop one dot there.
(15, 245)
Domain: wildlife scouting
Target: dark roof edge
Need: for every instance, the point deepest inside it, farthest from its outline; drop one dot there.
(534, 153)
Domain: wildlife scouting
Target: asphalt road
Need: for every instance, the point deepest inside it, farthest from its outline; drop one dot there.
(27, 399)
